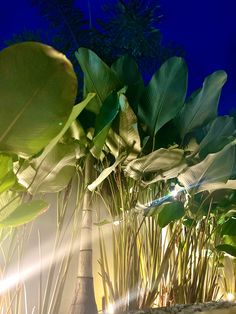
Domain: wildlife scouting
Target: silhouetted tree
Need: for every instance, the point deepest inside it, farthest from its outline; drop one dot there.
(127, 27)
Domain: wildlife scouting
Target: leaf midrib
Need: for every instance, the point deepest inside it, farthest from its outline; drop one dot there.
(27, 105)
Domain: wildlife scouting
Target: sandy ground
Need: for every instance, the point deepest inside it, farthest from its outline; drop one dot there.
(221, 307)
(220, 311)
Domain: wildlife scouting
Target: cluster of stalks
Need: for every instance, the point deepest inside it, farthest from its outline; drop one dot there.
(154, 266)
(50, 266)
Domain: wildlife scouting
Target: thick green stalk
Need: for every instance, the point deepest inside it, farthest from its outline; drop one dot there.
(84, 299)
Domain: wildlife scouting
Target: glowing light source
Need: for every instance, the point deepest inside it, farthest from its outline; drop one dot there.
(116, 222)
(176, 190)
(110, 309)
(230, 296)
(174, 193)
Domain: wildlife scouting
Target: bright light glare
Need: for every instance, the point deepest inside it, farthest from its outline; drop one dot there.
(116, 223)
(9, 282)
(36, 266)
(174, 193)
(110, 309)
(177, 189)
(230, 297)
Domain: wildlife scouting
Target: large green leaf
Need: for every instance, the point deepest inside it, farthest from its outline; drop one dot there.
(105, 173)
(202, 104)
(52, 174)
(124, 136)
(219, 134)
(156, 162)
(229, 227)
(165, 175)
(227, 248)
(170, 212)
(53, 169)
(24, 213)
(213, 186)
(98, 78)
(128, 129)
(9, 201)
(38, 87)
(213, 169)
(7, 176)
(128, 73)
(74, 114)
(164, 96)
(107, 114)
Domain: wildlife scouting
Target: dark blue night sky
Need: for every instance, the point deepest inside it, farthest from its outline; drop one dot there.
(206, 29)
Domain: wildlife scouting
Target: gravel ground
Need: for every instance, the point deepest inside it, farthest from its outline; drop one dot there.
(190, 309)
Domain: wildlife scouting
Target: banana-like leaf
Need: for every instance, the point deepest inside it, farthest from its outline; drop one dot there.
(174, 172)
(227, 248)
(106, 116)
(52, 174)
(24, 213)
(211, 187)
(98, 78)
(128, 73)
(74, 114)
(229, 227)
(54, 168)
(125, 136)
(105, 173)
(215, 168)
(219, 134)
(9, 201)
(7, 176)
(164, 96)
(156, 162)
(202, 104)
(170, 212)
(38, 87)
(114, 143)
(128, 128)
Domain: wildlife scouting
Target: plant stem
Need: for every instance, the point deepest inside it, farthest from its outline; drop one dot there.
(84, 299)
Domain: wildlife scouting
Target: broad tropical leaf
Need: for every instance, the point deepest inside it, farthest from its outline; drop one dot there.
(215, 168)
(128, 129)
(227, 248)
(213, 186)
(107, 114)
(229, 227)
(202, 105)
(77, 109)
(24, 213)
(98, 78)
(9, 201)
(174, 172)
(124, 135)
(7, 176)
(52, 174)
(38, 87)
(170, 212)
(164, 96)
(105, 173)
(156, 162)
(128, 73)
(219, 134)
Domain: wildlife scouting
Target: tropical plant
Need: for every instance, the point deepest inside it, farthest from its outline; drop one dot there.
(119, 145)
(196, 161)
(39, 82)
(29, 90)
